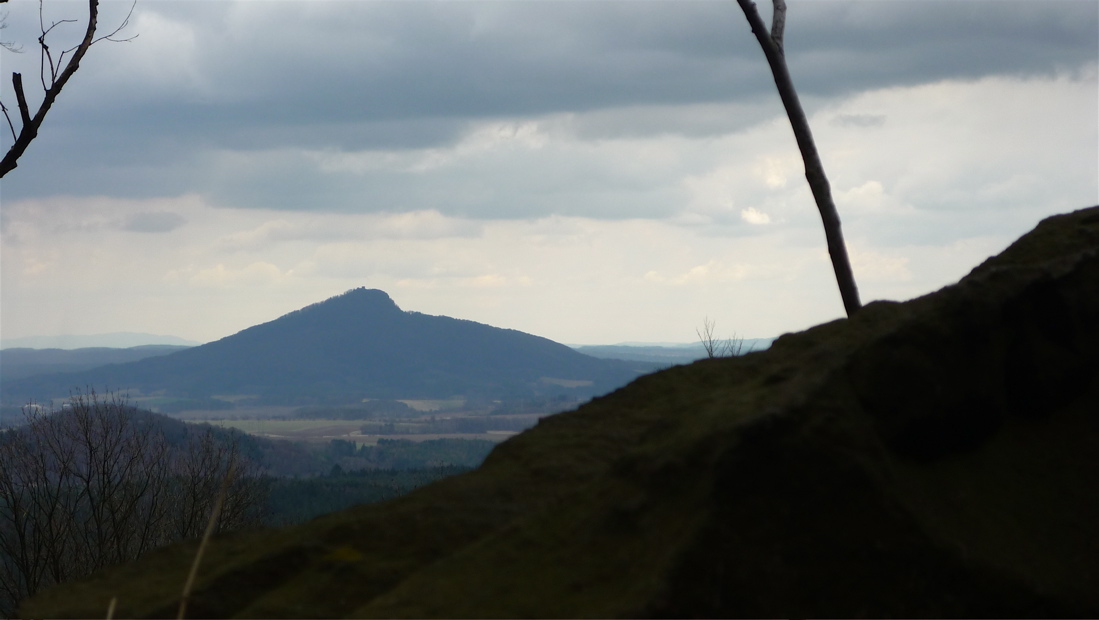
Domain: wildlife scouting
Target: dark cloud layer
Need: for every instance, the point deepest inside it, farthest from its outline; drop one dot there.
(842, 47)
(383, 61)
(347, 76)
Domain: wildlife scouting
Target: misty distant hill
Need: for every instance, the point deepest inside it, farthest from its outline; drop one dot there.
(353, 346)
(665, 354)
(115, 340)
(20, 363)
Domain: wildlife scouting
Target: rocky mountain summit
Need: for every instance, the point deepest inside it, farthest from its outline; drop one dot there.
(933, 458)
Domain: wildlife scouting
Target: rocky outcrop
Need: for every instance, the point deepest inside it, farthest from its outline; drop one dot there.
(930, 458)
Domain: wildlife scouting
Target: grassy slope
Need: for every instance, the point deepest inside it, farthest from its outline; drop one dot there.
(877, 466)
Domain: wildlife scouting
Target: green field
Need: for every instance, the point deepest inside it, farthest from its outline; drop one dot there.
(298, 429)
(435, 405)
(322, 430)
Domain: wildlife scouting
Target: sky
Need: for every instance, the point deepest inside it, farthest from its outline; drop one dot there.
(593, 172)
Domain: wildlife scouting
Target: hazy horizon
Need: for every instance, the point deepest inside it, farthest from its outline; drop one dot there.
(135, 339)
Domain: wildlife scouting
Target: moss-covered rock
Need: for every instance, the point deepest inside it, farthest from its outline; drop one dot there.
(930, 458)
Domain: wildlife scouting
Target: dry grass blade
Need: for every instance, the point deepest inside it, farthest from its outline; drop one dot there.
(210, 526)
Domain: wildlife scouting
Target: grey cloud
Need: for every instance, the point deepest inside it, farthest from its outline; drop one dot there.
(369, 62)
(410, 226)
(858, 120)
(153, 222)
(693, 121)
(350, 76)
(838, 47)
(579, 188)
(362, 63)
(475, 59)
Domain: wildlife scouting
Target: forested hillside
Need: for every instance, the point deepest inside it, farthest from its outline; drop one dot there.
(96, 481)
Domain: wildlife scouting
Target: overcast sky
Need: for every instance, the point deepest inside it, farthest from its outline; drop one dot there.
(589, 171)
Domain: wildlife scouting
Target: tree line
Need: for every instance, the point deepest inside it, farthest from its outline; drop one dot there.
(98, 482)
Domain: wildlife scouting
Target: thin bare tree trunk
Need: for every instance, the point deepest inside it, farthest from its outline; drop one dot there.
(814, 170)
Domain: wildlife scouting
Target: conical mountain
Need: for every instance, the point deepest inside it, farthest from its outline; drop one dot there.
(356, 345)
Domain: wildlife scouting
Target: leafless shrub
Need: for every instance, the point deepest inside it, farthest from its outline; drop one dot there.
(718, 347)
(97, 483)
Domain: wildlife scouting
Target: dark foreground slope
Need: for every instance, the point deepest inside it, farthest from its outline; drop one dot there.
(353, 346)
(931, 458)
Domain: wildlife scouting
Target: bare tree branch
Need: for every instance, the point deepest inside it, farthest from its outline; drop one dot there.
(7, 117)
(121, 27)
(11, 47)
(59, 73)
(706, 336)
(814, 169)
(20, 98)
(778, 22)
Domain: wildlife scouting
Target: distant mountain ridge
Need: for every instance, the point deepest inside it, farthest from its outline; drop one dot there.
(18, 363)
(664, 353)
(356, 345)
(114, 340)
